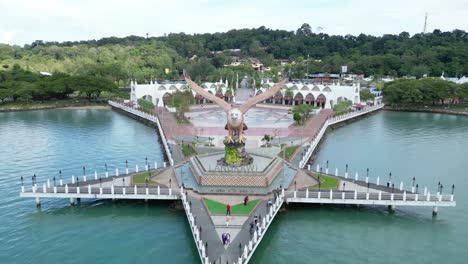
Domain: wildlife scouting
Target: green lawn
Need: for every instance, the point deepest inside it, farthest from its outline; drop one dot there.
(187, 150)
(140, 179)
(289, 152)
(326, 182)
(238, 209)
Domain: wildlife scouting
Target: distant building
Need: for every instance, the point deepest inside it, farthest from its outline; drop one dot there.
(320, 95)
(160, 93)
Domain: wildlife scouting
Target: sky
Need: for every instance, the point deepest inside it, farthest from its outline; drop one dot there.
(24, 21)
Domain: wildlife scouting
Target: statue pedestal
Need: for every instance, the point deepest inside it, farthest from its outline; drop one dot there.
(235, 155)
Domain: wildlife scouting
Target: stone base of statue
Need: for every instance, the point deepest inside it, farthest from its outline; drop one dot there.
(235, 155)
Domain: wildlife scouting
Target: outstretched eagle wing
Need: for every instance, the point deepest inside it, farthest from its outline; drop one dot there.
(262, 97)
(199, 90)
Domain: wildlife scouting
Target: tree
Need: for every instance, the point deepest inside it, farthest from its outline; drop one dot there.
(342, 107)
(267, 139)
(365, 95)
(145, 105)
(301, 113)
(297, 117)
(181, 101)
(305, 30)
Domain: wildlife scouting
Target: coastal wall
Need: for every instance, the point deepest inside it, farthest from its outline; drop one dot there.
(153, 120)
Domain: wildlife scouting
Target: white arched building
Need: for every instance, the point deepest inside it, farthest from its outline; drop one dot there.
(323, 95)
(160, 93)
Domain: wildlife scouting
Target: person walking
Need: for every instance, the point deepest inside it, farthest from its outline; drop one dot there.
(246, 200)
(228, 209)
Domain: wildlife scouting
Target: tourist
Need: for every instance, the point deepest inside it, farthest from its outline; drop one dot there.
(256, 221)
(246, 200)
(269, 203)
(224, 238)
(228, 209)
(252, 230)
(228, 238)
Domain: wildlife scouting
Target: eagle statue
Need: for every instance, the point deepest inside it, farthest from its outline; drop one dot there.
(235, 116)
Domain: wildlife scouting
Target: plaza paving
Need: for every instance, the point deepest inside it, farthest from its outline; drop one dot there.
(254, 118)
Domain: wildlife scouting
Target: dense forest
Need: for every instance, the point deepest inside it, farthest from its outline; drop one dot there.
(165, 57)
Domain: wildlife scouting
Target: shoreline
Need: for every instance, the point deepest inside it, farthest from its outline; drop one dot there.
(55, 107)
(424, 110)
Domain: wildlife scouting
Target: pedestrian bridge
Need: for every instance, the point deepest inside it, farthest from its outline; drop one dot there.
(370, 198)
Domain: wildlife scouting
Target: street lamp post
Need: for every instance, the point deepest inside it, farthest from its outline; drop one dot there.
(393, 187)
(453, 188)
(77, 180)
(123, 181)
(344, 186)
(170, 183)
(146, 160)
(346, 170)
(295, 185)
(84, 171)
(368, 183)
(441, 187)
(319, 177)
(60, 174)
(54, 180)
(417, 186)
(105, 166)
(21, 180)
(327, 165)
(367, 173)
(146, 180)
(438, 187)
(126, 164)
(100, 182)
(414, 181)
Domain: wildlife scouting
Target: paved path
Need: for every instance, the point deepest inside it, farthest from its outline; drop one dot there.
(309, 130)
(170, 126)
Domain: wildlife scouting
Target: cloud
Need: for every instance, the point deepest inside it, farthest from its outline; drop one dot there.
(62, 20)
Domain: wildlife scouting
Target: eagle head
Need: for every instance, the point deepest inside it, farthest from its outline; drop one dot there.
(234, 117)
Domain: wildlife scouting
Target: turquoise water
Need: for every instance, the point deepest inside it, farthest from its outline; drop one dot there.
(41, 143)
(430, 147)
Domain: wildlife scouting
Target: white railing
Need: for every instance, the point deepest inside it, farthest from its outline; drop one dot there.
(151, 118)
(311, 145)
(376, 198)
(263, 226)
(340, 118)
(202, 251)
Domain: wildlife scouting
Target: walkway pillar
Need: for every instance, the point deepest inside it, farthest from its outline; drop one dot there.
(318, 168)
(61, 182)
(146, 167)
(136, 168)
(72, 201)
(378, 181)
(155, 165)
(391, 208)
(428, 197)
(346, 175)
(135, 191)
(246, 252)
(107, 174)
(319, 194)
(44, 189)
(380, 195)
(308, 167)
(326, 170)
(336, 171)
(48, 183)
(355, 195)
(55, 189)
(66, 188)
(401, 186)
(95, 175)
(164, 164)
(89, 188)
(404, 196)
(250, 245)
(307, 193)
(126, 171)
(73, 179)
(159, 190)
(294, 194)
(425, 190)
(435, 210)
(367, 179)
(38, 201)
(116, 172)
(112, 189)
(356, 177)
(331, 194)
